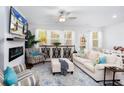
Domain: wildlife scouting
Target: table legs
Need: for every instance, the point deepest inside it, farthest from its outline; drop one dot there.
(113, 79)
(104, 76)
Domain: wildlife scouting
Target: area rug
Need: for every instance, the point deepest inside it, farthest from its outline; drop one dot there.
(78, 78)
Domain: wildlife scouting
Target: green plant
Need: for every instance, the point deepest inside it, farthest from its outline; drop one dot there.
(31, 40)
(57, 44)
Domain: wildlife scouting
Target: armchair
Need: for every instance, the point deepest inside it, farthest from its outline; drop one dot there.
(34, 59)
(25, 76)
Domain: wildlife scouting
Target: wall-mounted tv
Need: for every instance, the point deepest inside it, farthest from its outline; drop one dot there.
(18, 24)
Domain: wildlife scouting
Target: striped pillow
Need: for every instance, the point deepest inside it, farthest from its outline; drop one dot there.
(24, 74)
(19, 68)
(29, 81)
(1, 76)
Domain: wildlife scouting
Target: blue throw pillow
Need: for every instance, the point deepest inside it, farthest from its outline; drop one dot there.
(10, 76)
(35, 53)
(102, 60)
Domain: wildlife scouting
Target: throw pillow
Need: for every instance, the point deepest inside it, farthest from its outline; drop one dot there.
(82, 55)
(10, 76)
(35, 53)
(102, 60)
(96, 61)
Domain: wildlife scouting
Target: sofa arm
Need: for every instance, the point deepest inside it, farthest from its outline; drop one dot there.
(32, 80)
(73, 56)
(19, 68)
(102, 66)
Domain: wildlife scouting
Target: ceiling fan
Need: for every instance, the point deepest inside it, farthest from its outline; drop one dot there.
(64, 16)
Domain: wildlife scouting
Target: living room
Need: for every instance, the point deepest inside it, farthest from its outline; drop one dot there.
(79, 35)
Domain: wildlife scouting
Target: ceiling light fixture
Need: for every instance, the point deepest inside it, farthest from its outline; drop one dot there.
(114, 16)
(62, 19)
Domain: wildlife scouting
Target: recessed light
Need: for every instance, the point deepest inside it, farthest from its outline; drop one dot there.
(114, 16)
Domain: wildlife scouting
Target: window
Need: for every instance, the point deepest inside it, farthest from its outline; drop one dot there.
(82, 42)
(68, 38)
(55, 37)
(95, 39)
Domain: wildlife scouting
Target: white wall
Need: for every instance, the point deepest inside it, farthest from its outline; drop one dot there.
(113, 36)
(2, 24)
(5, 45)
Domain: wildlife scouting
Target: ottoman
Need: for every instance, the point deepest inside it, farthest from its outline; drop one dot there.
(56, 66)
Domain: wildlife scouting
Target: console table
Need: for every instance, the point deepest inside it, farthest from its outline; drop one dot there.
(62, 51)
(114, 70)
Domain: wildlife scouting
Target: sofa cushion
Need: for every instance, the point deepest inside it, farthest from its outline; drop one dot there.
(82, 55)
(24, 74)
(19, 68)
(28, 81)
(82, 60)
(92, 55)
(90, 66)
(111, 59)
(102, 66)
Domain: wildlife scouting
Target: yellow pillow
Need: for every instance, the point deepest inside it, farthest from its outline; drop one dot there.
(96, 61)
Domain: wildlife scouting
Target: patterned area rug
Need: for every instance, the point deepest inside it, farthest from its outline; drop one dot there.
(78, 78)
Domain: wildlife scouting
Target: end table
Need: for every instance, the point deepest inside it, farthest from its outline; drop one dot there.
(114, 70)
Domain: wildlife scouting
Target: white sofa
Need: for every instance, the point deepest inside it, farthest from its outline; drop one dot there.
(96, 71)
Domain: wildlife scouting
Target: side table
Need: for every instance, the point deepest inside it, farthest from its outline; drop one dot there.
(114, 70)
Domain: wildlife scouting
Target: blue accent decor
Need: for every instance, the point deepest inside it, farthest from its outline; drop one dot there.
(102, 60)
(35, 53)
(10, 76)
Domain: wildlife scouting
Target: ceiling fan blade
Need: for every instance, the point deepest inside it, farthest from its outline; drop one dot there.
(72, 17)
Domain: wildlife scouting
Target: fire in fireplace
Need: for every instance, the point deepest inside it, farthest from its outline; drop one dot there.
(15, 52)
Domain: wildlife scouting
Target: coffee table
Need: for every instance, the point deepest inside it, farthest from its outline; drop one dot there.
(114, 70)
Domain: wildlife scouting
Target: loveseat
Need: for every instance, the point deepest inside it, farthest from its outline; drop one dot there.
(25, 77)
(95, 70)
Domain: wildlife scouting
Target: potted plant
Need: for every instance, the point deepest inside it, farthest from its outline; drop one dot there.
(56, 44)
(31, 40)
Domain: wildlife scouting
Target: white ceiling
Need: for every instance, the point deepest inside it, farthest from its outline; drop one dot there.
(87, 16)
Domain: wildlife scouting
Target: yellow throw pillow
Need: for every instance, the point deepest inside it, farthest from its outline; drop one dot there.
(96, 61)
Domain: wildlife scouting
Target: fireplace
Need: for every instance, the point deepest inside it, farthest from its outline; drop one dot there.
(15, 52)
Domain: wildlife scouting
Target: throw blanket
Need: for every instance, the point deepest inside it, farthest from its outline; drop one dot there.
(64, 66)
